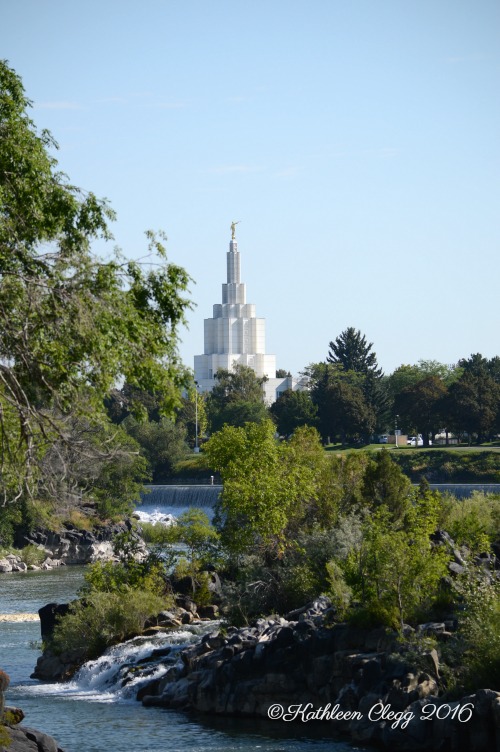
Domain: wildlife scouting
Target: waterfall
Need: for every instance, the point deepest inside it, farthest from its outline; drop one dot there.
(118, 674)
(181, 496)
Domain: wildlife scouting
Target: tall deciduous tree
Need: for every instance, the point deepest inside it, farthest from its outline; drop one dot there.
(294, 409)
(237, 398)
(343, 409)
(267, 484)
(73, 325)
(420, 406)
(473, 404)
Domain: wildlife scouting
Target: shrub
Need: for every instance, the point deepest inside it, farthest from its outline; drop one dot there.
(474, 522)
(32, 555)
(104, 619)
(157, 533)
(480, 627)
(112, 577)
(338, 591)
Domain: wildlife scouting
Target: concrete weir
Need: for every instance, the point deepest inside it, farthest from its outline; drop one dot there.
(181, 495)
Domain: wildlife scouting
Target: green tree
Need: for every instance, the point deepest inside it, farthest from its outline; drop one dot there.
(194, 530)
(293, 409)
(343, 409)
(237, 398)
(421, 406)
(353, 353)
(193, 411)
(267, 484)
(409, 375)
(73, 325)
(385, 485)
(162, 444)
(397, 574)
(473, 404)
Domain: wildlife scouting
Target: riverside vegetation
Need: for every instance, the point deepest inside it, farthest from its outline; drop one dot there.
(292, 522)
(409, 611)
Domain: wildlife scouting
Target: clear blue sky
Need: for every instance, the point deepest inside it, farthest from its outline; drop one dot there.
(358, 142)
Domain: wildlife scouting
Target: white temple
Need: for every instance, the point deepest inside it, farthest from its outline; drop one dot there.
(236, 336)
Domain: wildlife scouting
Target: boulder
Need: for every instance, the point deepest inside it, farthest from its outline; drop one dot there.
(24, 739)
(48, 615)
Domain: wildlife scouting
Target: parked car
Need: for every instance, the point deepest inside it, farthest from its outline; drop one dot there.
(383, 439)
(415, 440)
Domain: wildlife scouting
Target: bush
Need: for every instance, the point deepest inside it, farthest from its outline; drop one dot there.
(480, 627)
(104, 619)
(473, 522)
(156, 533)
(112, 577)
(32, 555)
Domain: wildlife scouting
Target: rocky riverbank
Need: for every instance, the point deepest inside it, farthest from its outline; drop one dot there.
(16, 738)
(66, 547)
(54, 667)
(354, 681)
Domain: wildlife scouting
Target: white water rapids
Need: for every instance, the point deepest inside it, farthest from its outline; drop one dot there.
(119, 673)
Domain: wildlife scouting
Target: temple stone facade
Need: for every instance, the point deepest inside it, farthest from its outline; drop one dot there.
(234, 335)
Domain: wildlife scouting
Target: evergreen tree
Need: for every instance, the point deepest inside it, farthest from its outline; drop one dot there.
(353, 353)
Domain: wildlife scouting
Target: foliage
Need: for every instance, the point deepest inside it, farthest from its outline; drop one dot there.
(32, 555)
(395, 571)
(480, 627)
(194, 530)
(338, 590)
(236, 398)
(266, 483)
(420, 406)
(73, 325)
(113, 577)
(237, 414)
(473, 522)
(105, 618)
(9, 518)
(130, 400)
(133, 569)
(450, 466)
(156, 533)
(384, 484)
(473, 404)
(293, 409)
(162, 444)
(345, 480)
(343, 409)
(407, 376)
(353, 353)
(192, 407)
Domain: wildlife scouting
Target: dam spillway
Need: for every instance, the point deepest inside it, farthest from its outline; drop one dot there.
(180, 496)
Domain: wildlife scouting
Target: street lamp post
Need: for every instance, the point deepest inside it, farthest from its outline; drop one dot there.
(196, 447)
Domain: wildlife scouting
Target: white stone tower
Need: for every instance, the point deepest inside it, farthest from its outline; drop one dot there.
(234, 334)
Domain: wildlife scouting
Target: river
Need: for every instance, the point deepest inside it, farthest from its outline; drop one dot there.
(96, 713)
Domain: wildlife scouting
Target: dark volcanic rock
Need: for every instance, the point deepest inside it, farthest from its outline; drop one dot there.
(305, 662)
